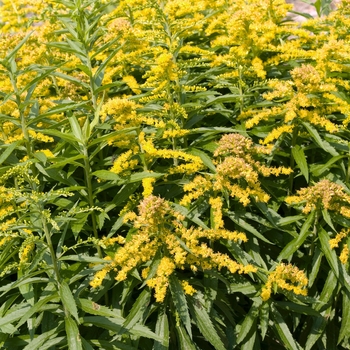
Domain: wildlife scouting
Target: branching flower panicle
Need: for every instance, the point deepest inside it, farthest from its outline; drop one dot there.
(287, 277)
(323, 195)
(160, 230)
(237, 171)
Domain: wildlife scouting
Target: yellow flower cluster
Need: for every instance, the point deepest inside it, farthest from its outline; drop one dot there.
(324, 194)
(159, 229)
(334, 243)
(191, 163)
(26, 248)
(124, 163)
(287, 277)
(148, 187)
(304, 98)
(123, 112)
(237, 172)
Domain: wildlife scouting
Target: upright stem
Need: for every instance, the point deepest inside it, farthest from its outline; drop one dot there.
(348, 171)
(91, 198)
(314, 231)
(292, 161)
(52, 251)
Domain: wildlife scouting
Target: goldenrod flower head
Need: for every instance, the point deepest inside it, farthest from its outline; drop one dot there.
(237, 171)
(39, 136)
(334, 243)
(324, 194)
(147, 184)
(344, 255)
(287, 277)
(216, 205)
(132, 83)
(161, 280)
(306, 78)
(188, 289)
(124, 163)
(100, 275)
(26, 248)
(159, 231)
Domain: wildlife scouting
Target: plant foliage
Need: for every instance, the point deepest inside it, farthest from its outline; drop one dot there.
(174, 175)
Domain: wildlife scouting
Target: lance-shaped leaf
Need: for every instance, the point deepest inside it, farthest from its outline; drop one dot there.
(300, 159)
(204, 323)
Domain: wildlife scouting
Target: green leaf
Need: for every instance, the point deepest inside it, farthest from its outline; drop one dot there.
(68, 300)
(76, 129)
(319, 141)
(243, 224)
(330, 254)
(107, 175)
(84, 258)
(162, 330)
(111, 345)
(10, 57)
(13, 315)
(8, 150)
(316, 263)
(61, 162)
(73, 336)
(328, 219)
(204, 323)
(93, 308)
(63, 107)
(300, 159)
(42, 339)
(264, 318)
(110, 136)
(140, 176)
(113, 324)
(35, 308)
(344, 328)
(283, 331)
(70, 138)
(244, 288)
(180, 302)
(319, 169)
(225, 98)
(204, 157)
(301, 309)
(249, 321)
(137, 310)
(295, 244)
(329, 289)
(71, 79)
(185, 342)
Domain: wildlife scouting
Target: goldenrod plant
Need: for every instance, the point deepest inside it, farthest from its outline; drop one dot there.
(174, 175)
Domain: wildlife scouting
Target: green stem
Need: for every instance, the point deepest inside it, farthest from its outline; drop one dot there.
(292, 161)
(22, 116)
(348, 171)
(52, 251)
(314, 232)
(88, 183)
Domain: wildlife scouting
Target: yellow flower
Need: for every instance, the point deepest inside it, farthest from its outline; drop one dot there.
(132, 83)
(99, 276)
(287, 277)
(147, 184)
(161, 280)
(188, 289)
(344, 255)
(324, 194)
(216, 205)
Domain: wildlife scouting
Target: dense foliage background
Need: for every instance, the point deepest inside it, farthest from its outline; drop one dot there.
(174, 175)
